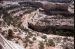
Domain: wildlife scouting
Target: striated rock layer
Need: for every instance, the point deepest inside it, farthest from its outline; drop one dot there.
(42, 22)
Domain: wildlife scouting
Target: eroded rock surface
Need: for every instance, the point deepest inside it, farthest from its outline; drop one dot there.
(18, 24)
(43, 22)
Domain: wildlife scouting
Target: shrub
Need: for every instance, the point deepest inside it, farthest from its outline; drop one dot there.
(44, 36)
(34, 38)
(10, 34)
(50, 43)
(41, 45)
(25, 45)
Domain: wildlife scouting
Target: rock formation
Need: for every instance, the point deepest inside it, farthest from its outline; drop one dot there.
(48, 26)
(56, 19)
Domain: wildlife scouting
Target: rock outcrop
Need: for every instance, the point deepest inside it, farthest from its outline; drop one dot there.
(54, 6)
(43, 22)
